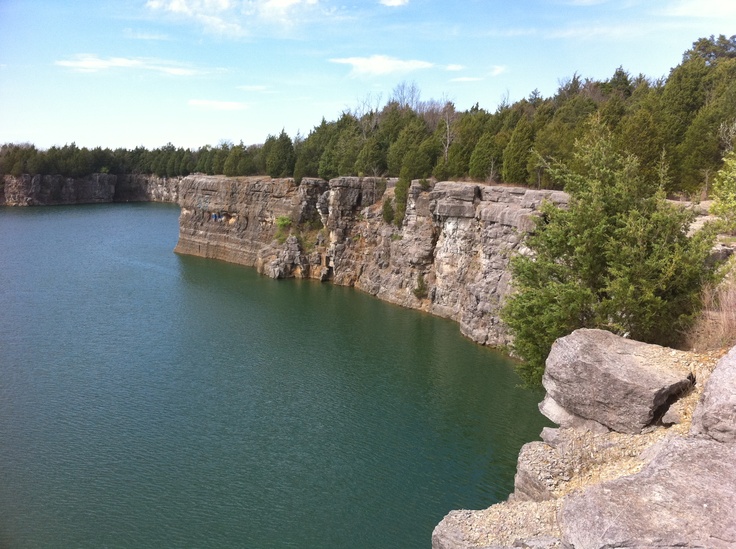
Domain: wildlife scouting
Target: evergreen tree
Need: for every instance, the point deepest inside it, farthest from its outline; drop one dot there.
(280, 157)
(371, 159)
(485, 160)
(639, 134)
(618, 258)
(230, 168)
(517, 153)
(467, 129)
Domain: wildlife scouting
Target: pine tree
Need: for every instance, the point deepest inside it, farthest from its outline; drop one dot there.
(517, 152)
(618, 257)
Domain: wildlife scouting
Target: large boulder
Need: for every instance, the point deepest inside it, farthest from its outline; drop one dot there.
(617, 382)
(684, 497)
(715, 415)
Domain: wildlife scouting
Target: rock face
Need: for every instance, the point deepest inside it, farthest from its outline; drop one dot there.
(685, 497)
(52, 190)
(588, 486)
(596, 375)
(41, 190)
(716, 415)
(146, 188)
(456, 239)
(237, 220)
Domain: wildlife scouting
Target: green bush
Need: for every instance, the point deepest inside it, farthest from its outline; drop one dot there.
(421, 291)
(724, 191)
(618, 258)
(401, 195)
(388, 210)
(283, 225)
(380, 187)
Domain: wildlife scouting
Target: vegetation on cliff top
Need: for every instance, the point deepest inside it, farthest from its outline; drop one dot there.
(619, 257)
(678, 117)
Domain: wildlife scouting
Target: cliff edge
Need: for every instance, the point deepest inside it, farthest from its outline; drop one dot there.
(449, 257)
(643, 456)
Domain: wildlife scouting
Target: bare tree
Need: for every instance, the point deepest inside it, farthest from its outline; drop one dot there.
(406, 95)
(431, 112)
(448, 122)
(367, 113)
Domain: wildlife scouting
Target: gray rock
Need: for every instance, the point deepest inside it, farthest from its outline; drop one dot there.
(49, 190)
(456, 190)
(451, 533)
(454, 208)
(530, 484)
(715, 415)
(684, 497)
(671, 417)
(507, 214)
(615, 381)
(538, 543)
(553, 411)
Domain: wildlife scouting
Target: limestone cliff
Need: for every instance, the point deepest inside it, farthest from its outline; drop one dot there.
(51, 190)
(449, 257)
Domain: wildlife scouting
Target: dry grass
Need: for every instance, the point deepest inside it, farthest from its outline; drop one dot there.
(716, 326)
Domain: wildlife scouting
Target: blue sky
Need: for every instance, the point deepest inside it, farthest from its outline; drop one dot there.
(116, 73)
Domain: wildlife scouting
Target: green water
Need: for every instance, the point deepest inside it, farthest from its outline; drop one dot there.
(155, 400)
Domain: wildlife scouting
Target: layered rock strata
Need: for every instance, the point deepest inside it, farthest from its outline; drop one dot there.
(53, 190)
(609, 479)
(449, 257)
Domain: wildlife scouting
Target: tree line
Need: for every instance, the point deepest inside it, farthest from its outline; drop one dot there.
(678, 126)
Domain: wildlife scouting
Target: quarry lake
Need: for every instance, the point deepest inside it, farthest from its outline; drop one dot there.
(155, 400)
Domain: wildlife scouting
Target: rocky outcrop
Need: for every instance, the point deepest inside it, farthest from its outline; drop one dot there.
(663, 484)
(716, 415)
(449, 257)
(684, 497)
(618, 383)
(146, 188)
(53, 190)
(248, 221)
(41, 190)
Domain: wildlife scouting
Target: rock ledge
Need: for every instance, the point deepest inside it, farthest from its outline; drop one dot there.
(657, 473)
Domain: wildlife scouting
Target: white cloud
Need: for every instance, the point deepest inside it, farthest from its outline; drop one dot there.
(86, 62)
(210, 105)
(596, 32)
(235, 17)
(142, 35)
(497, 70)
(454, 67)
(280, 10)
(701, 8)
(253, 88)
(378, 65)
(394, 3)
